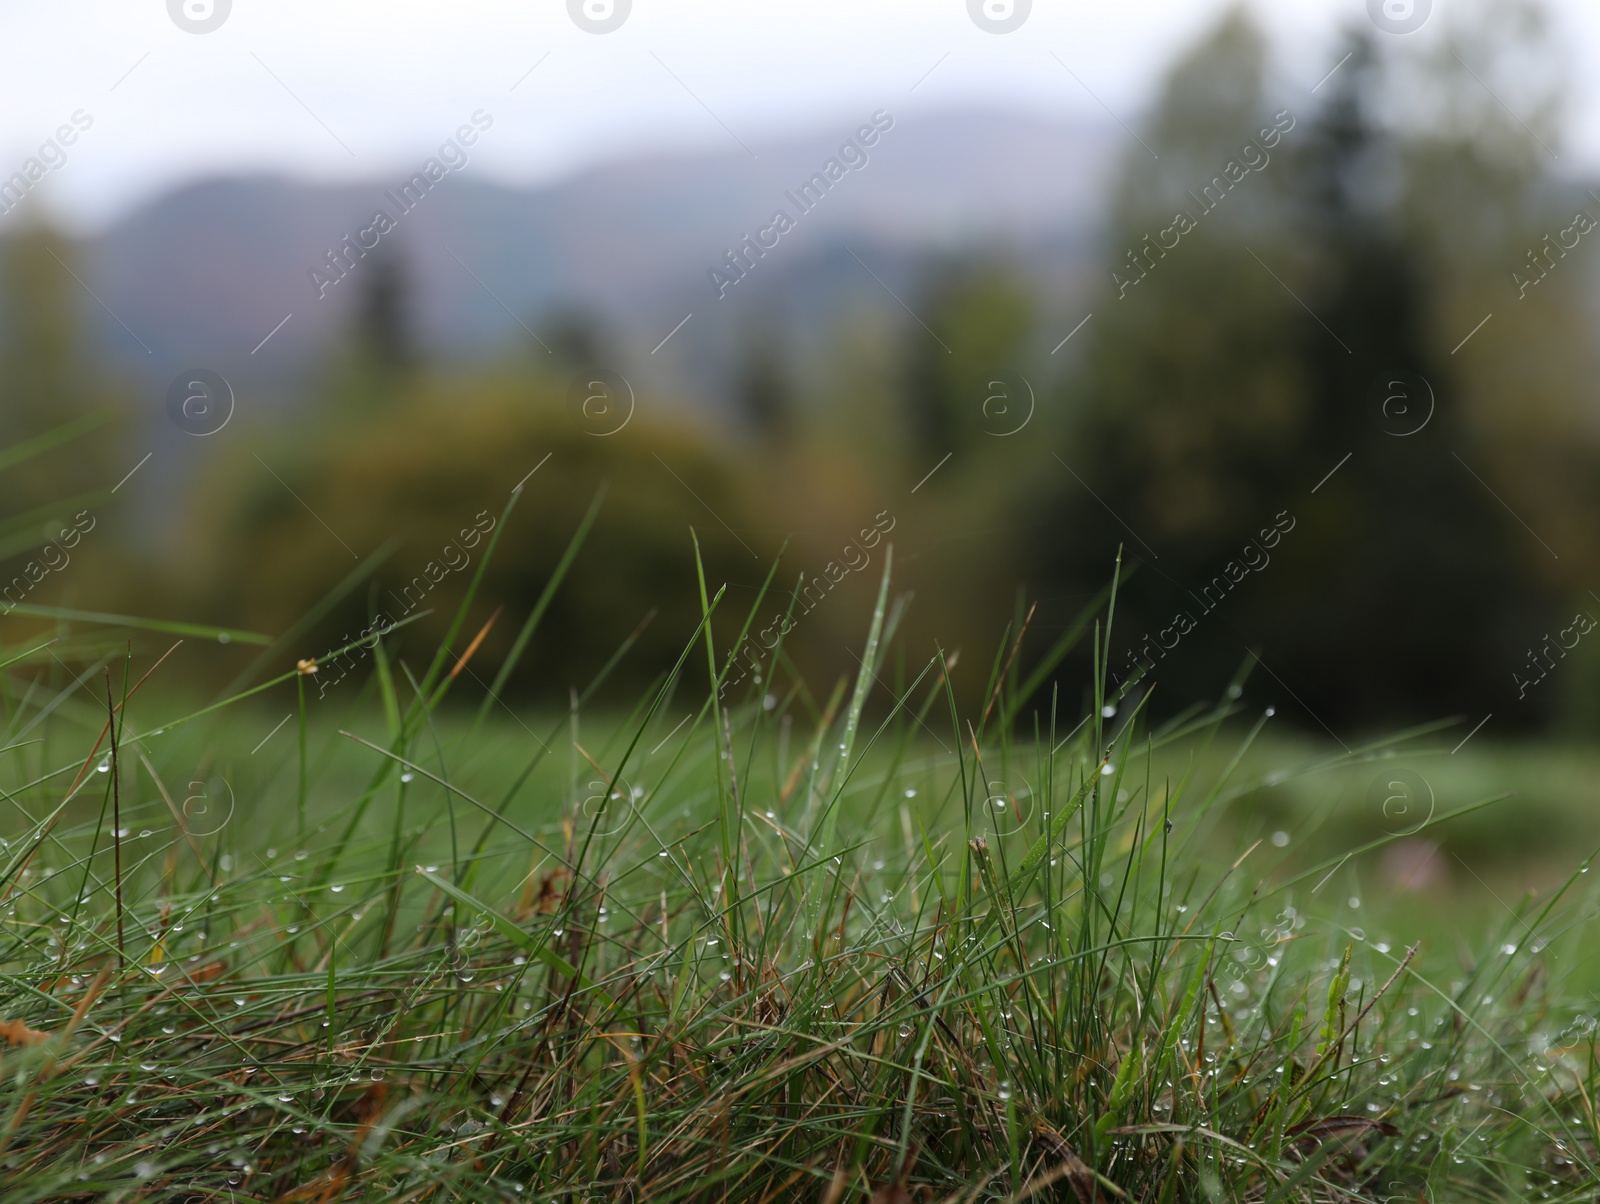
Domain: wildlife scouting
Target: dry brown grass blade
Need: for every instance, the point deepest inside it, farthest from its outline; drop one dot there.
(1346, 1030)
(177, 815)
(841, 1180)
(1341, 1126)
(47, 1071)
(1000, 679)
(476, 640)
(1069, 1166)
(105, 731)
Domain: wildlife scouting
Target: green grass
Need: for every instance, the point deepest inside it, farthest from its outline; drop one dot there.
(848, 945)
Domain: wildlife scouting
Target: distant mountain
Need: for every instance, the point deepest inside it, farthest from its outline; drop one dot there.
(202, 274)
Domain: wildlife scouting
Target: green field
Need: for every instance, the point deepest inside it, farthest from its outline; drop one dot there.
(395, 944)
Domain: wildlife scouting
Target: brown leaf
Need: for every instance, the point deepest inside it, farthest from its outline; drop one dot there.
(16, 1032)
(370, 1106)
(892, 1193)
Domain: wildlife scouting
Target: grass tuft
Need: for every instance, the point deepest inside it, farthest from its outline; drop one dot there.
(736, 946)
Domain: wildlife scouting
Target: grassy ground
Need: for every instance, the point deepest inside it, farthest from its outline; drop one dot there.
(848, 946)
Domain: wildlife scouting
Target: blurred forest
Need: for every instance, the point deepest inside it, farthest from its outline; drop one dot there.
(1372, 225)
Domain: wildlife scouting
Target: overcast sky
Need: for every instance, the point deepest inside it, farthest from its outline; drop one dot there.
(363, 88)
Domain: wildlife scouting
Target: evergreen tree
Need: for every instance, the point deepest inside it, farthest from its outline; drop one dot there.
(1407, 567)
(978, 322)
(764, 389)
(382, 321)
(1272, 315)
(47, 383)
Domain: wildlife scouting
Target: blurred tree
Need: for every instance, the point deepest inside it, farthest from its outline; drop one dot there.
(1191, 396)
(383, 325)
(577, 339)
(1407, 570)
(373, 368)
(1502, 230)
(435, 475)
(41, 370)
(47, 383)
(1270, 281)
(1187, 412)
(979, 319)
(764, 389)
